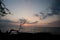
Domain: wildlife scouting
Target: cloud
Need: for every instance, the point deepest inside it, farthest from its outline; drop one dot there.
(7, 25)
(3, 20)
(55, 10)
(32, 28)
(24, 21)
(32, 22)
(55, 7)
(50, 27)
(54, 24)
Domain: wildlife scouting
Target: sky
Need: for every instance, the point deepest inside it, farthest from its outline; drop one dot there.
(27, 9)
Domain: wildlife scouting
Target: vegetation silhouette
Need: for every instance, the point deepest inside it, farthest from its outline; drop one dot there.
(24, 35)
(3, 10)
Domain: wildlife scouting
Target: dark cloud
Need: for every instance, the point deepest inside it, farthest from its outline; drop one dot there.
(54, 24)
(6, 25)
(3, 20)
(55, 10)
(56, 7)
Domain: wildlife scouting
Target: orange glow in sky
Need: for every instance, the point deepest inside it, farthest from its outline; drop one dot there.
(30, 25)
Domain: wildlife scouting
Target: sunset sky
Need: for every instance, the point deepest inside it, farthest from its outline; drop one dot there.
(27, 9)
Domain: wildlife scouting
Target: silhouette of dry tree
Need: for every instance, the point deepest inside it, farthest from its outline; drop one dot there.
(3, 10)
(24, 21)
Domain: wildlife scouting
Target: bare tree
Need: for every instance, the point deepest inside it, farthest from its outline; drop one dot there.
(3, 10)
(24, 21)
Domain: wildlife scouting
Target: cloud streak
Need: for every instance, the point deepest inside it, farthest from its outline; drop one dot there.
(55, 10)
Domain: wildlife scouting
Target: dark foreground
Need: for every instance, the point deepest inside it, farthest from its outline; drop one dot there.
(52, 33)
(29, 36)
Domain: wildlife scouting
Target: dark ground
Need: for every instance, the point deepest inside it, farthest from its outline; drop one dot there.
(29, 36)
